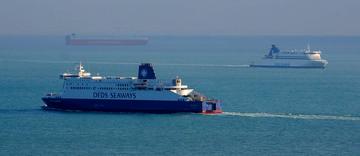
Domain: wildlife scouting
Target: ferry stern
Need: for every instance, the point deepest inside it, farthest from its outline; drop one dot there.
(212, 107)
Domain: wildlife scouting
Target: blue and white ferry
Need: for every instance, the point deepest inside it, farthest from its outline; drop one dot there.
(291, 59)
(144, 93)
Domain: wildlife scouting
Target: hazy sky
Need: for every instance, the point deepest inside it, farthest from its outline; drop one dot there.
(181, 17)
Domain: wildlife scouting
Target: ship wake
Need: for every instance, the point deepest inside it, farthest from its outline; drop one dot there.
(207, 65)
(293, 116)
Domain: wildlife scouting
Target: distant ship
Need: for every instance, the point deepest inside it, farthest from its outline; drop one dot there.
(73, 39)
(144, 93)
(291, 59)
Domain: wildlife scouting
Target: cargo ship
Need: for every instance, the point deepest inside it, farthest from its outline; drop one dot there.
(291, 59)
(144, 93)
(73, 39)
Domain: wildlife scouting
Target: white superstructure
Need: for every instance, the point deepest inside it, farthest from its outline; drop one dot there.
(84, 86)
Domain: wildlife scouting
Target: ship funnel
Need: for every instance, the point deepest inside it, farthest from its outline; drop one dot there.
(146, 71)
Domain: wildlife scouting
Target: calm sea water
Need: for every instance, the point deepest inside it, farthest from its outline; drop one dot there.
(267, 111)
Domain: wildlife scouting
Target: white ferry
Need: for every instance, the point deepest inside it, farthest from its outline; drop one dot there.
(144, 93)
(291, 59)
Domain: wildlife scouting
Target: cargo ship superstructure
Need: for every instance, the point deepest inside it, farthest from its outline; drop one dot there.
(144, 93)
(291, 59)
(73, 39)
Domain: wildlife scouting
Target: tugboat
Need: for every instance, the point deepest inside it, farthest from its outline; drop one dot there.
(291, 59)
(143, 93)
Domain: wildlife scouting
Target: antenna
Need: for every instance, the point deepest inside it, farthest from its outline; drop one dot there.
(308, 47)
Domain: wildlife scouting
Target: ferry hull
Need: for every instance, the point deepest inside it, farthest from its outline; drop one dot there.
(290, 63)
(150, 106)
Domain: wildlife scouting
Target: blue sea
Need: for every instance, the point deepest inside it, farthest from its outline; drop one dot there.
(267, 111)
